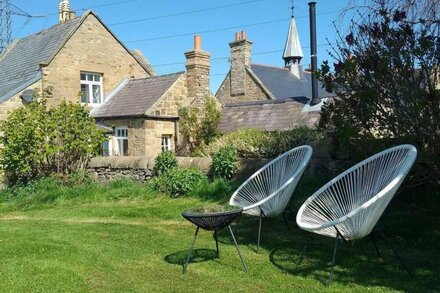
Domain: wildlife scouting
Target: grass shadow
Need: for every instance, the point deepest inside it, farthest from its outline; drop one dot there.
(357, 261)
(197, 256)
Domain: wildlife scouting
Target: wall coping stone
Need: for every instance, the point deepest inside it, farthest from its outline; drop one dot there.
(146, 163)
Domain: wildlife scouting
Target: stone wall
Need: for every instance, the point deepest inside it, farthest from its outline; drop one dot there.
(92, 48)
(240, 59)
(198, 76)
(254, 91)
(155, 129)
(144, 135)
(168, 104)
(140, 168)
(108, 168)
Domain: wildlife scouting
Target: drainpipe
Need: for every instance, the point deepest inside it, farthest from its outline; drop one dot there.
(313, 53)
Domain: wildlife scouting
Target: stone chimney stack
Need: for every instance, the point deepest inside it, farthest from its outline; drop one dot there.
(198, 72)
(64, 11)
(240, 59)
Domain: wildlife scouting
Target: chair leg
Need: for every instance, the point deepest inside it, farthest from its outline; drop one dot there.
(185, 266)
(373, 239)
(259, 229)
(396, 254)
(303, 252)
(285, 221)
(236, 224)
(216, 242)
(334, 259)
(238, 249)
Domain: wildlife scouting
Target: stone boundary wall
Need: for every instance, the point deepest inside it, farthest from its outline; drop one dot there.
(140, 168)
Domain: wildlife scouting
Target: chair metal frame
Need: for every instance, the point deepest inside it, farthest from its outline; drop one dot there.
(268, 191)
(349, 206)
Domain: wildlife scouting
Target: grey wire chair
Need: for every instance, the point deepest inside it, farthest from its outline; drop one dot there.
(349, 206)
(268, 191)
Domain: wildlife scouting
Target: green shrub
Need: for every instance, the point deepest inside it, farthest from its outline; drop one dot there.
(225, 162)
(178, 181)
(386, 76)
(256, 143)
(164, 162)
(37, 141)
(198, 126)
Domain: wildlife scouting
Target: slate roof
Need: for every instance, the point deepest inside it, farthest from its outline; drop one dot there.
(137, 97)
(283, 84)
(19, 65)
(289, 106)
(268, 115)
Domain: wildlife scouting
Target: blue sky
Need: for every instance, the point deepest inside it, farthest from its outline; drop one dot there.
(266, 23)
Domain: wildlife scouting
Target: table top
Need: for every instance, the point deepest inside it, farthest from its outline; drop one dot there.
(212, 211)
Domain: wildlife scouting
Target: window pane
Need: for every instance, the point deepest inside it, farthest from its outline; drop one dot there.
(97, 77)
(96, 94)
(83, 76)
(90, 77)
(85, 93)
(166, 143)
(120, 147)
(105, 149)
(125, 147)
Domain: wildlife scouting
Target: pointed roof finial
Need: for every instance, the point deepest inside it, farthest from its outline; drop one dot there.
(292, 50)
(292, 7)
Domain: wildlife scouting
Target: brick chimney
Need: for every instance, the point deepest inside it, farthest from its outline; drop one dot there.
(64, 11)
(198, 72)
(240, 58)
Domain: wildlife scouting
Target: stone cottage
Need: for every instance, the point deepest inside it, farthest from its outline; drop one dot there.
(144, 111)
(81, 60)
(268, 97)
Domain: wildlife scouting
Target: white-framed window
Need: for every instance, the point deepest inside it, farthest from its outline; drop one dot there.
(121, 138)
(166, 143)
(92, 92)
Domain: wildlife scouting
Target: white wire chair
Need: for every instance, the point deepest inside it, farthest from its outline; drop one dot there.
(268, 191)
(349, 206)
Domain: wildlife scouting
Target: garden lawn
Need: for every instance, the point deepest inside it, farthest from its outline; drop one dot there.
(125, 237)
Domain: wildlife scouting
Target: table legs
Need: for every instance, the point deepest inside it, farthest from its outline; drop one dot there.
(190, 250)
(238, 249)
(216, 242)
(185, 266)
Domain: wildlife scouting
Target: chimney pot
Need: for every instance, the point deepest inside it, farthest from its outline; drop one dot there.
(237, 36)
(243, 35)
(197, 43)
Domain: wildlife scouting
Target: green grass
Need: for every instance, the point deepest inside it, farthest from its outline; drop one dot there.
(125, 237)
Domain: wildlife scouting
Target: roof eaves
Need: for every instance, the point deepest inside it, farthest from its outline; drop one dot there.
(136, 116)
(268, 92)
(21, 87)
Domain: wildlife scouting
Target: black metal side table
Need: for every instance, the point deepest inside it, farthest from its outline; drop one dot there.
(213, 219)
